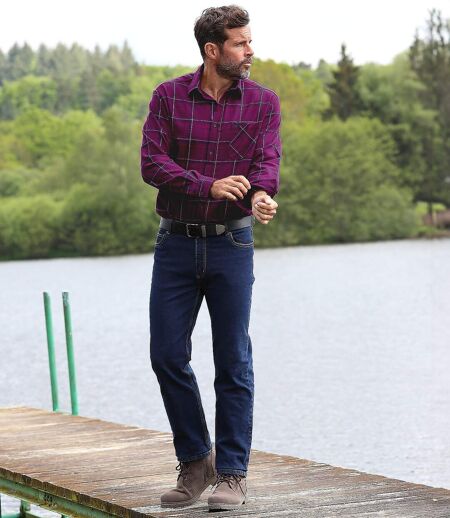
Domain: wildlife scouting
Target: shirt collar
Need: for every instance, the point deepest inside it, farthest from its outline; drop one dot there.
(236, 87)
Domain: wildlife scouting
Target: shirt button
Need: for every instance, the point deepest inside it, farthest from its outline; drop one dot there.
(215, 125)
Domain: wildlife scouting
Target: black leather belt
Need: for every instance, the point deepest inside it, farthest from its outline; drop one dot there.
(204, 229)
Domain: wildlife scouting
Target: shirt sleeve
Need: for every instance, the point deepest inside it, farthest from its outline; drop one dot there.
(157, 168)
(264, 173)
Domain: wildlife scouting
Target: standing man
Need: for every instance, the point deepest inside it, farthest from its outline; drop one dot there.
(211, 146)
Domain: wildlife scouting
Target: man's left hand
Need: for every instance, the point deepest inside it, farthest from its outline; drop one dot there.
(264, 208)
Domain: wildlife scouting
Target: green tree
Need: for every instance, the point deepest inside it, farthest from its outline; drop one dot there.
(8, 146)
(393, 94)
(110, 87)
(2, 66)
(13, 181)
(324, 72)
(28, 91)
(430, 59)
(19, 62)
(344, 99)
(290, 88)
(316, 98)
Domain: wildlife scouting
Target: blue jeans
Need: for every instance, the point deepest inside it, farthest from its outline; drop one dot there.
(186, 269)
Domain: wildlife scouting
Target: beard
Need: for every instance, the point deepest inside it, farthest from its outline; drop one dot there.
(232, 70)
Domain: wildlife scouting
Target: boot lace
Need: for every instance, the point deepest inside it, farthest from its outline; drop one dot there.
(183, 468)
(229, 478)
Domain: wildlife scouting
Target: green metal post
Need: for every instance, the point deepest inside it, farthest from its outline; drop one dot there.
(13, 515)
(70, 355)
(51, 351)
(25, 507)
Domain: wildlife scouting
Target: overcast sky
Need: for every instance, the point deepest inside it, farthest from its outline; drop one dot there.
(161, 32)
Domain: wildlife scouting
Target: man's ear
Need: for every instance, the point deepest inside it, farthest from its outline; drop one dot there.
(211, 50)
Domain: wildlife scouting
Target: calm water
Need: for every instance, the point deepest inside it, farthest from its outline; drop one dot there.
(351, 350)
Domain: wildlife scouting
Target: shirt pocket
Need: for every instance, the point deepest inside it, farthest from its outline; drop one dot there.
(242, 138)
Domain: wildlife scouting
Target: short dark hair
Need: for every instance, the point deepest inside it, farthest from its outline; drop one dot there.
(211, 25)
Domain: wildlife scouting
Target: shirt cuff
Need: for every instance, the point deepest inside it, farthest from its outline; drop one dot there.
(205, 187)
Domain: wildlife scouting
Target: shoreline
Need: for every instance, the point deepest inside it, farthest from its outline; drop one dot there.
(441, 234)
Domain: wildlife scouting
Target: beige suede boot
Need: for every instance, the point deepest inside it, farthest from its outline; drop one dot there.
(229, 493)
(194, 477)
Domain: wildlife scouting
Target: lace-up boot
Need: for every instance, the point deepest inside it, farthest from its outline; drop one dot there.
(194, 477)
(229, 492)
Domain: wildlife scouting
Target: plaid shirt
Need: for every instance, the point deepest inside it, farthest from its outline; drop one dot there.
(189, 140)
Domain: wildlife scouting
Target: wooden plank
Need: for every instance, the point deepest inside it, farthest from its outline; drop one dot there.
(123, 469)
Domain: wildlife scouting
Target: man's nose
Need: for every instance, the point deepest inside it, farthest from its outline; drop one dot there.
(249, 51)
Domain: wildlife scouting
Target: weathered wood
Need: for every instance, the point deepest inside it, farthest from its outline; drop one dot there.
(122, 470)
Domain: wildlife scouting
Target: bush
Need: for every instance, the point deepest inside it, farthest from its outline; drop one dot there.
(104, 221)
(28, 226)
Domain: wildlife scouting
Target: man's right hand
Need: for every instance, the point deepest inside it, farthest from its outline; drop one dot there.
(230, 188)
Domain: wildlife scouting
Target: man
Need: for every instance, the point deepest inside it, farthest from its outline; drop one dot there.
(211, 146)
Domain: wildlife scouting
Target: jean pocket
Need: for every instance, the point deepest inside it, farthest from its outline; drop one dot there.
(161, 237)
(241, 237)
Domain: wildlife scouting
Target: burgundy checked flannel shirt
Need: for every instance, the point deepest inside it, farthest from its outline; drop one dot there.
(189, 140)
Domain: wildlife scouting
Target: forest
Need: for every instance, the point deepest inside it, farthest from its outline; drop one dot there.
(366, 149)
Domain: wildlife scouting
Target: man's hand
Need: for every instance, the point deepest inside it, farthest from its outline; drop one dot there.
(232, 187)
(263, 207)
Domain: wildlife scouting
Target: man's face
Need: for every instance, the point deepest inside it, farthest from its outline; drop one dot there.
(235, 56)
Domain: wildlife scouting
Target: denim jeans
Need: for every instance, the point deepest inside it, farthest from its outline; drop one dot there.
(186, 269)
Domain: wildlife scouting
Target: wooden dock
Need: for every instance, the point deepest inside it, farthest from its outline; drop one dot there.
(91, 468)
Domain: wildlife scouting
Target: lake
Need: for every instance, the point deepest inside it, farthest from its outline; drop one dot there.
(351, 349)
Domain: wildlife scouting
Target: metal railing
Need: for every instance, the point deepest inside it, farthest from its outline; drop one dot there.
(25, 507)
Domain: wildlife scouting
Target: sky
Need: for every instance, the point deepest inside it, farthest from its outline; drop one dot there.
(161, 32)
